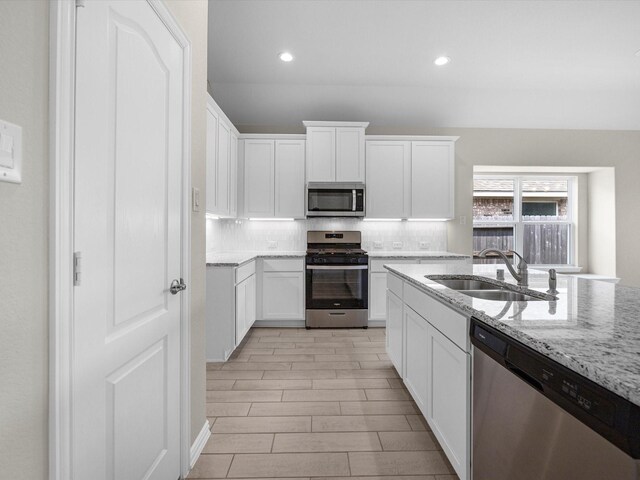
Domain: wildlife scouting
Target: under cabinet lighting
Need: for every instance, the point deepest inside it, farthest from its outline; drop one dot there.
(285, 56)
(271, 219)
(427, 219)
(382, 219)
(440, 61)
(211, 216)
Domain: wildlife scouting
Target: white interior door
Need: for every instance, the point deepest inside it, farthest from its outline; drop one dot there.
(128, 171)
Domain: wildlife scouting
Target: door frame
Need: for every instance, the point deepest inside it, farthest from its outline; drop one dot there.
(62, 45)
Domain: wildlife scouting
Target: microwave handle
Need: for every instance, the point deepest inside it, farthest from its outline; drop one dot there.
(353, 208)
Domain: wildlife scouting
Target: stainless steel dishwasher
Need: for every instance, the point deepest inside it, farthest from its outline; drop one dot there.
(534, 419)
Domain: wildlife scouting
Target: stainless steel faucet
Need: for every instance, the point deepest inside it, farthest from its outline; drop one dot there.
(522, 275)
(552, 282)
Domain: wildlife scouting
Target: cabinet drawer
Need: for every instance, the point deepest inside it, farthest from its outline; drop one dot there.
(283, 265)
(453, 325)
(394, 284)
(378, 265)
(245, 271)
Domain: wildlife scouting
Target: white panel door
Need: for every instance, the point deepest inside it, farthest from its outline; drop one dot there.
(212, 160)
(394, 331)
(259, 178)
(321, 154)
(283, 295)
(388, 179)
(289, 179)
(449, 398)
(350, 154)
(126, 327)
(377, 296)
(222, 180)
(432, 179)
(416, 357)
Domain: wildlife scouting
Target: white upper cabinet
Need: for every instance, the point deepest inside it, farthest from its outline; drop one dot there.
(222, 160)
(335, 151)
(259, 164)
(410, 178)
(274, 177)
(432, 179)
(289, 179)
(388, 168)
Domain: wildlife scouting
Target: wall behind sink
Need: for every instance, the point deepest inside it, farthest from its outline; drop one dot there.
(239, 235)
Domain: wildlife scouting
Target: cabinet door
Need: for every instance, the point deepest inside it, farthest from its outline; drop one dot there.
(416, 357)
(388, 179)
(350, 154)
(432, 179)
(449, 399)
(258, 178)
(377, 296)
(289, 179)
(394, 331)
(222, 180)
(283, 296)
(241, 310)
(251, 302)
(233, 177)
(321, 154)
(212, 155)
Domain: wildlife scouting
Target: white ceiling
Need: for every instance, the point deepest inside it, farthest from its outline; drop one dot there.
(518, 64)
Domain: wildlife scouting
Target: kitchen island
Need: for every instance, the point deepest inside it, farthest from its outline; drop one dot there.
(590, 327)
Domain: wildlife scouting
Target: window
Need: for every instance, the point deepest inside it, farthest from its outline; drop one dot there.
(526, 213)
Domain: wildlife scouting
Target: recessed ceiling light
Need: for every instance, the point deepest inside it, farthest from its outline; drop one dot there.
(286, 57)
(440, 61)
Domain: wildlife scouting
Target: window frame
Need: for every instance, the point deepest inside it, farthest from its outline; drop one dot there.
(518, 223)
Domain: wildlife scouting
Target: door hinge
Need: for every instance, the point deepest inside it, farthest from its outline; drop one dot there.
(80, 3)
(77, 268)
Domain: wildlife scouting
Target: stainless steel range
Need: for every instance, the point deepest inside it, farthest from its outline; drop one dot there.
(337, 277)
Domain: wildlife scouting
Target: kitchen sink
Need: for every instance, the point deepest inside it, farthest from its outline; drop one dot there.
(464, 284)
(499, 292)
(502, 295)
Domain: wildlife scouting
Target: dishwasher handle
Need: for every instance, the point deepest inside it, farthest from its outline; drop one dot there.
(524, 376)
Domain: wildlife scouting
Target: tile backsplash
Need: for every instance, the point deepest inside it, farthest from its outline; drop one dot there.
(242, 235)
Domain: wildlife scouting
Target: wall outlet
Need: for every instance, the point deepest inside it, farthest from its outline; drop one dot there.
(377, 244)
(195, 199)
(463, 220)
(397, 245)
(424, 245)
(272, 244)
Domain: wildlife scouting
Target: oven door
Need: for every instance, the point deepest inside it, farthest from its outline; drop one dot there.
(335, 200)
(336, 287)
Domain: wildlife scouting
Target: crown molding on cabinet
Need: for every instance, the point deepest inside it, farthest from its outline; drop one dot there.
(409, 138)
(211, 104)
(313, 123)
(270, 136)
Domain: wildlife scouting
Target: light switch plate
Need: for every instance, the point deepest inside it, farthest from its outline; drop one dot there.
(272, 244)
(424, 245)
(10, 152)
(397, 245)
(377, 244)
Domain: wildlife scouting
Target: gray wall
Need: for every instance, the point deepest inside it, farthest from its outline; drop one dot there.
(24, 97)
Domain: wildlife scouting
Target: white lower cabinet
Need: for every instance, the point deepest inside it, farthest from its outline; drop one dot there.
(416, 357)
(448, 405)
(394, 331)
(282, 290)
(435, 369)
(245, 307)
(230, 308)
(283, 295)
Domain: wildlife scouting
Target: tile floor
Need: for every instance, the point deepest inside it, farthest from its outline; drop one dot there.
(314, 404)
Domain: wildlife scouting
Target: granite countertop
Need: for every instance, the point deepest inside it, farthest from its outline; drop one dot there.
(235, 259)
(414, 254)
(593, 328)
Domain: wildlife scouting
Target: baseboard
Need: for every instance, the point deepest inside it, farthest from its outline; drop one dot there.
(199, 443)
(377, 323)
(279, 323)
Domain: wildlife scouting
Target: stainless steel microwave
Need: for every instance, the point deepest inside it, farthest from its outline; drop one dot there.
(335, 200)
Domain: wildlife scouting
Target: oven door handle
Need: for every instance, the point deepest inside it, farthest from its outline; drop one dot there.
(353, 208)
(337, 267)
